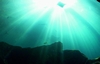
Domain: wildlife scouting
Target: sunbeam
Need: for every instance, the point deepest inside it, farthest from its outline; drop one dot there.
(30, 23)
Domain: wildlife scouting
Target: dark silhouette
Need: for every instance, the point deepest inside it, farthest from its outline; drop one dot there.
(98, 0)
(47, 54)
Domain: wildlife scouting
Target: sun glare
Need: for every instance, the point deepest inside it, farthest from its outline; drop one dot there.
(54, 3)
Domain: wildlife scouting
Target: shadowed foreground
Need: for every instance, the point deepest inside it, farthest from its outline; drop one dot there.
(47, 54)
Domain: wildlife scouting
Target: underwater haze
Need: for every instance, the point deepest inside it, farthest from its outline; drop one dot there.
(32, 23)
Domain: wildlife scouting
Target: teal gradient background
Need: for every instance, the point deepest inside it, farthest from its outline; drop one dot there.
(31, 23)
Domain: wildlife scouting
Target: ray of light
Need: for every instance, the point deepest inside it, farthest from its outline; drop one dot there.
(71, 24)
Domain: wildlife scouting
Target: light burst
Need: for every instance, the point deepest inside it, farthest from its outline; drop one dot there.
(72, 22)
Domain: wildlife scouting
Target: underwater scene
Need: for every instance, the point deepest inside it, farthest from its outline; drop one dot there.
(75, 24)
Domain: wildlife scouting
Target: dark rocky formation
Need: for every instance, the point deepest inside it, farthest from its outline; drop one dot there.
(47, 54)
(74, 57)
(98, 0)
(1, 61)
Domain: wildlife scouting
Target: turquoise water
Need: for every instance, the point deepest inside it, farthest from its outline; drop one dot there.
(31, 23)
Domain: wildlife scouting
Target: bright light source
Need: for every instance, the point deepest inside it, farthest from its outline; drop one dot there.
(46, 3)
(69, 3)
(54, 3)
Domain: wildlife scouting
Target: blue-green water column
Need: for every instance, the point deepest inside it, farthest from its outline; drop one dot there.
(31, 23)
